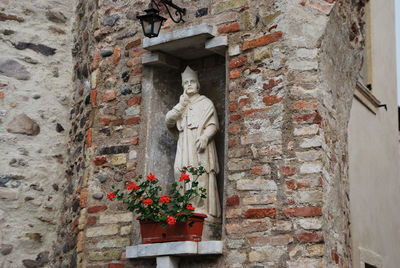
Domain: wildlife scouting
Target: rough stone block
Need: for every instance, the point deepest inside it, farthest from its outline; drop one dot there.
(23, 124)
(260, 199)
(256, 184)
(118, 159)
(310, 223)
(113, 243)
(266, 253)
(111, 229)
(222, 6)
(116, 218)
(239, 164)
(104, 255)
(313, 167)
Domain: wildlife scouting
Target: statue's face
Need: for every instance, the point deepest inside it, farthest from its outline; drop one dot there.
(190, 86)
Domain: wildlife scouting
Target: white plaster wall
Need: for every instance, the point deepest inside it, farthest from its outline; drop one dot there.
(374, 153)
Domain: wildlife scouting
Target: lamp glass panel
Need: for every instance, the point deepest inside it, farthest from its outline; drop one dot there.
(157, 26)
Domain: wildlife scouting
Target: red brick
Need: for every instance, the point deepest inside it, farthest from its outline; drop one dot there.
(234, 74)
(83, 198)
(100, 160)
(96, 60)
(231, 28)
(271, 83)
(91, 220)
(132, 121)
(271, 100)
(233, 200)
(314, 118)
(270, 150)
(134, 61)
(310, 237)
(237, 62)
(116, 55)
(137, 52)
(330, 1)
(136, 70)
(117, 122)
(262, 41)
(246, 227)
(259, 213)
(93, 98)
(89, 138)
(106, 121)
(108, 96)
(291, 184)
(233, 142)
(288, 171)
(134, 101)
(335, 256)
(1, 95)
(306, 105)
(232, 107)
(115, 265)
(234, 117)
(303, 3)
(302, 212)
(261, 170)
(96, 209)
(243, 102)
(234, 129)
(133, 44)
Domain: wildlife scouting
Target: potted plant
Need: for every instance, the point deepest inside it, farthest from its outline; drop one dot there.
(168, 217)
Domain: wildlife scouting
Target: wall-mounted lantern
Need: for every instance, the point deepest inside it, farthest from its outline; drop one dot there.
(151, 21)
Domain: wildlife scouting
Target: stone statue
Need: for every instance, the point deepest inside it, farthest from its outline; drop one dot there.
(193, 122)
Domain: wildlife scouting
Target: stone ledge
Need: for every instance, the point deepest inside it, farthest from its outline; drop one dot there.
(184, 248)
(203, 30)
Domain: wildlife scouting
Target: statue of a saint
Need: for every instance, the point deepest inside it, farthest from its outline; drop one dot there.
(193, 122)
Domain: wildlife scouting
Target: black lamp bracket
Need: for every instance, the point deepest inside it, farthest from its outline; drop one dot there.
(178, 14)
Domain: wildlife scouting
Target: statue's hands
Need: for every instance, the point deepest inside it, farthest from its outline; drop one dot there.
(201, 143)
(184, 100)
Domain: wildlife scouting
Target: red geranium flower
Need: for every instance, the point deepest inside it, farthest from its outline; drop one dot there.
(164, 199)
(189, 207)
(111, 196)
(184, 176)
(151, 177)
(132, 186)
(171, 220)
(148, 201)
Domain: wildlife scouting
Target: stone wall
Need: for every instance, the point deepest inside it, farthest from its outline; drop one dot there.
(291, 68)
(35, 91)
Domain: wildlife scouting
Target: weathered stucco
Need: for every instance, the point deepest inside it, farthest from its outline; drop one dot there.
(35, 91)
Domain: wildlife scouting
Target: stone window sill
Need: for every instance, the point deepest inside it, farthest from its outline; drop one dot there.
(174, 249)
(364, 95)
(168, 254)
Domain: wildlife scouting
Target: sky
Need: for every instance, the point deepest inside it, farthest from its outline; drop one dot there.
(397, 10)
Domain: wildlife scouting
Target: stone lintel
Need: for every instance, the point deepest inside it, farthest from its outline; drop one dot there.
(184, 248)
(160, 59)
(217, 44)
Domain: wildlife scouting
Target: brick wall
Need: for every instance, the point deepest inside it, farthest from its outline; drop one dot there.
(286, 165)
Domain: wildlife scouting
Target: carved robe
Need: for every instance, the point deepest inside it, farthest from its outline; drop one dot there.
(187, 126)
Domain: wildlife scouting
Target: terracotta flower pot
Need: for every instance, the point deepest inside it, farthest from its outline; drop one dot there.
(153, 232)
